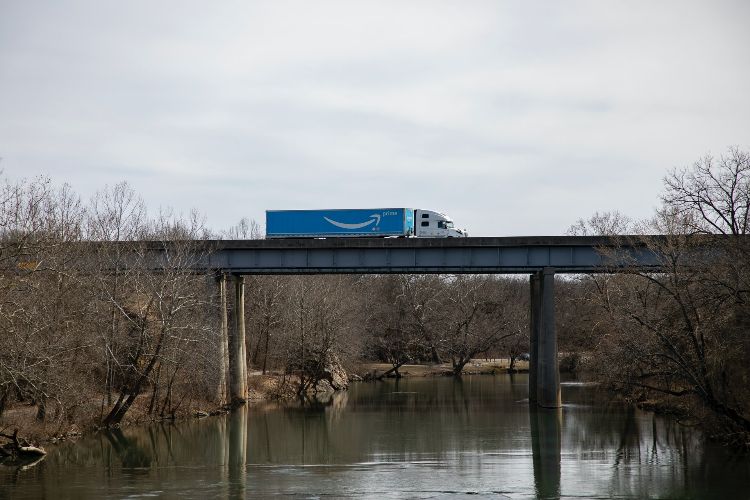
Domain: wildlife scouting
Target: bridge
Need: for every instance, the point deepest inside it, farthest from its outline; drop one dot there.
(541, 257)
(514, 255)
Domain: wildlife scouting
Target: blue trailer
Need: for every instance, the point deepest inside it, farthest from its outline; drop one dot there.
(339, 223)
(359, 222)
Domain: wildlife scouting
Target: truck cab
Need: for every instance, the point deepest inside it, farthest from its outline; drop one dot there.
(429, 224)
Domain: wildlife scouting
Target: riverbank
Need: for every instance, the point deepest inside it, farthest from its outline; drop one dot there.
(22, 417)
(474, 367)
(261, 388)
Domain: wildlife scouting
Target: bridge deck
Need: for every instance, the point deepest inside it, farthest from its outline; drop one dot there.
(567, 254)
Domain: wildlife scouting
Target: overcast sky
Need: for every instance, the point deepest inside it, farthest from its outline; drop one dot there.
(516, 118)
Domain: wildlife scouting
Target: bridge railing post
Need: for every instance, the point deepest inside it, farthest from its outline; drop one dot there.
(548, 374)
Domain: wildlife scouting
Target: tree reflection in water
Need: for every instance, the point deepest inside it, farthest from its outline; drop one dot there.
(419, 438)
(131, 455)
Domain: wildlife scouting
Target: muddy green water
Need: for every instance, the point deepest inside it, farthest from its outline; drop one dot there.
(416, 438)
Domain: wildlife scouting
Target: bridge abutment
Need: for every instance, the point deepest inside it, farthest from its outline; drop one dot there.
(544, 374)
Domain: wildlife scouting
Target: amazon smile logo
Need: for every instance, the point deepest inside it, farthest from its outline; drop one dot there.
(357, 225)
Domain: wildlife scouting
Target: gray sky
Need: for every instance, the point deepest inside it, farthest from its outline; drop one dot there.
(516, 118)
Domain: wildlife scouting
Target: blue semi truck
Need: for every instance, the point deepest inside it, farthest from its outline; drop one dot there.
(360, 222)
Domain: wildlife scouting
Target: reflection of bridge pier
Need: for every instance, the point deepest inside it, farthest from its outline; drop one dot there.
(237, 463)
(546, 446)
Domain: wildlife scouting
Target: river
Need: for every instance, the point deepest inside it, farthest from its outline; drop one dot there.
(413, 438)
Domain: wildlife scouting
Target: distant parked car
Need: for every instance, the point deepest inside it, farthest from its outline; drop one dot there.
(524, 356)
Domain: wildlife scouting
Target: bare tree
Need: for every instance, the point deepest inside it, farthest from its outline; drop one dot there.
(394, 327)
(318, 329)
(602, 224)
(680, 334)
(117, 220)
(422, 298)
(479, 313)
(158, 315)
(712, 196)
(245, 229)
(40, 300)
(266, 299)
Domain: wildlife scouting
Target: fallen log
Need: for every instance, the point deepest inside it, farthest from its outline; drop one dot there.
(20, 447)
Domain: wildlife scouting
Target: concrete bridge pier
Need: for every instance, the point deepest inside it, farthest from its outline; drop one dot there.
(534, 327)
(222, 392)
(237, 354)
(544, 375)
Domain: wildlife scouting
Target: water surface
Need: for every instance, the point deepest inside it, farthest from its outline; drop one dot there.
(414, 438)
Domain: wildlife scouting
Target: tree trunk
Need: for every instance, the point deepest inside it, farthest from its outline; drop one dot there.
(435, 356)
(41, 409)
(265, 351)
(392, 370)
(127, 397)
(154, 392)
(168, 399)
(458, 364)
(457, 368)
(108, 380)
(3, 400)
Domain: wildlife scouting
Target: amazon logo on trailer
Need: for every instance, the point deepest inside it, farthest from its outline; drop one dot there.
(357, 225)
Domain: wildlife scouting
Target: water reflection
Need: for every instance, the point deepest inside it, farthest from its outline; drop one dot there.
(128, 451)
(237, 437)
(545, 426)
(412, 438)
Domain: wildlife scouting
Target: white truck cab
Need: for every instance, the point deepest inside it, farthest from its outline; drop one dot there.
(429, 224)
